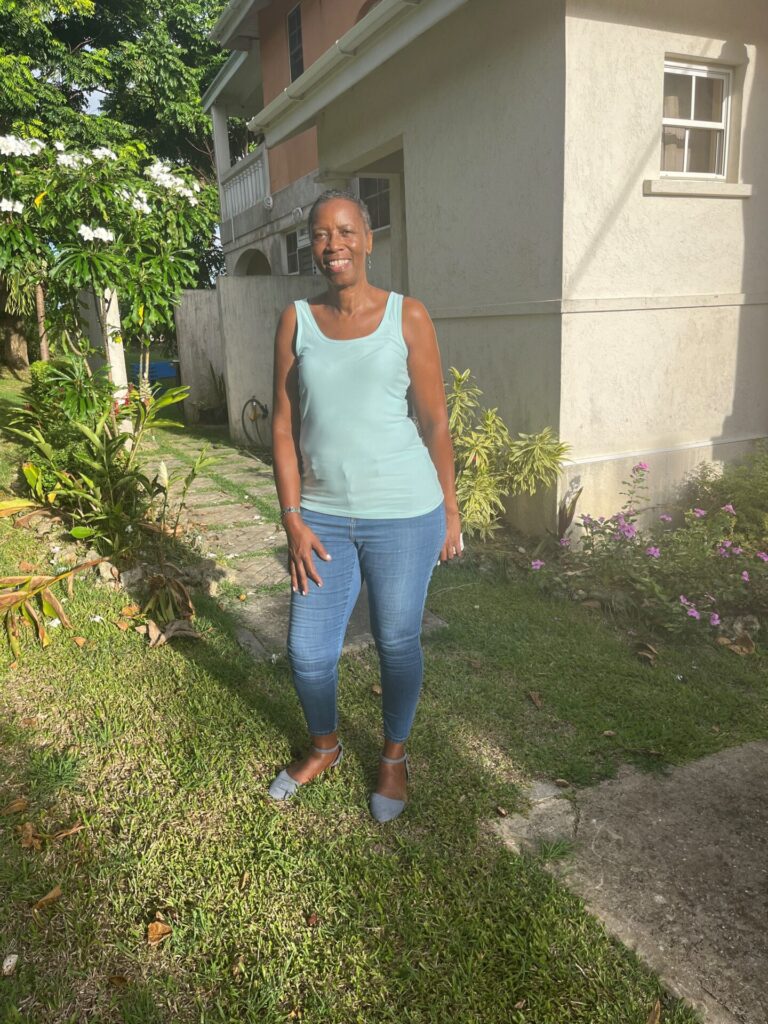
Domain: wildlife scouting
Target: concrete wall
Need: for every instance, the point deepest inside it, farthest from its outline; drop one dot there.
(664, 338)
(476, 106)
(249, 308)
(201, 353)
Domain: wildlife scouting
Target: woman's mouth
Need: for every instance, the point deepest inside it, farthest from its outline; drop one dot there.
(337, 265)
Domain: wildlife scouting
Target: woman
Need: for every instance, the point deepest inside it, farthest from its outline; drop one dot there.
(361, 497)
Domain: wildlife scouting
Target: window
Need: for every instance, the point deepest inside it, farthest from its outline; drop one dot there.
(295, 49)
(694, 134)
(375, 194)
(298, 252)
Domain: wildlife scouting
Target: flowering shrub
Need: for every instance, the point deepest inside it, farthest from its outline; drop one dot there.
(673, 578)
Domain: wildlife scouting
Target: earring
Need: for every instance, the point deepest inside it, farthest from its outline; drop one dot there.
(370, 261)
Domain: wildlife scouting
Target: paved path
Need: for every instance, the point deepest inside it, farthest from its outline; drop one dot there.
(676, 867)
(232, 517)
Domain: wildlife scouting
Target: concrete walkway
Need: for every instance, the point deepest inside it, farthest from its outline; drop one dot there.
(676, 867)
(232, 519)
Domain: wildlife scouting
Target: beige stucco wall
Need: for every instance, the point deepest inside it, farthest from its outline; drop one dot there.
(476, 105)
(201, 355)
(665, 345)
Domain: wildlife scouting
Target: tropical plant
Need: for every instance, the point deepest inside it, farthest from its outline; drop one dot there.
(490, 463)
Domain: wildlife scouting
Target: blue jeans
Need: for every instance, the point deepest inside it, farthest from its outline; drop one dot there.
(395, 557)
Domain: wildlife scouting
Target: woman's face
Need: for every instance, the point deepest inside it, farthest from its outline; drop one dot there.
(340, 242)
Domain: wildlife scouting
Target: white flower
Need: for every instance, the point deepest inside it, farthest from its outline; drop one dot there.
(9, 206)
(103, 234)
(11, 145)
(195, 186)
(73, 160)
(102, 153)
(87, 233)
(192, 201)
(18, 207)
(59, 147)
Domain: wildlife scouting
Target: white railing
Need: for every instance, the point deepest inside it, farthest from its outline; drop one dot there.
(245, 184)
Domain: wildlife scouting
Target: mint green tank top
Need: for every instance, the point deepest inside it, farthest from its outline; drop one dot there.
(361, 454)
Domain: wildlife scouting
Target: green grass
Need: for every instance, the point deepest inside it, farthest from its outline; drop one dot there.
(310, 912)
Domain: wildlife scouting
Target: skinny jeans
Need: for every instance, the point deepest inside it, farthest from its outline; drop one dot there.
(395, 558)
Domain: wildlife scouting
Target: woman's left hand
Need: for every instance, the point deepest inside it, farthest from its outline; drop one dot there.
(453, 546)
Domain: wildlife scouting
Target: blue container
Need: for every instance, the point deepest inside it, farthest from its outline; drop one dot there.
(164, 372)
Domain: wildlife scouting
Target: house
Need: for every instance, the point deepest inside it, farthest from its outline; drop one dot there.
(576, 189)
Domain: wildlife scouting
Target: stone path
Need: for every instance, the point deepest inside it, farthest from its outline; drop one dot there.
(232, 518)
(676, 867)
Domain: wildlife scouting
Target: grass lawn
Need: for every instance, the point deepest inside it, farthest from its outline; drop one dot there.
(311, 912)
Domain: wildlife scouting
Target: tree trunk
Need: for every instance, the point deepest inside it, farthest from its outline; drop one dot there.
(43, 334)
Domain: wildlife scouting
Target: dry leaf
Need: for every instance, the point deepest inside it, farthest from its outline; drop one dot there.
(13, 666)
(79, 640)
(123, 624)
(648, 653)
(30, 840)
(9, 964)
(29, 721)
(609, 732)
(242, 597)
(536, 698)
(313, 920)
(723, 641)
(26, 567)
(180, 627)
(655, 1015)
(502, 812)
(475, 663)
(591, 604)
(49, 898)
(244, 880)
(117, 980)
(519, 1005)
(157, 931)
(155, 634)
(16, 806)
(141, 630)
(715, 728)
(376, 691)
(743, 644)
(129, 611)
(69, 831)
(562, 783)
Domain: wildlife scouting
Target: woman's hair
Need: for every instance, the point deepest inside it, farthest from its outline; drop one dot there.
(338, 193)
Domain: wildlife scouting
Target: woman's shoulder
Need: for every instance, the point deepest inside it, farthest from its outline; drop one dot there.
(415, 313)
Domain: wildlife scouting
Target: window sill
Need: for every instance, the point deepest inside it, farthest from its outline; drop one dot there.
(700, 187)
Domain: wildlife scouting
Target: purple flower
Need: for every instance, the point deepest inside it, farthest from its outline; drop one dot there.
(745, 576)
(565, 542)
(640, 467)
(684, 600)
(653, 552)
(537, 564)
(665, 517)
(693, 613)
(714, 619)
(723, 551)
(762, 555)
(699, 513)
(736, 551)
(729, 509)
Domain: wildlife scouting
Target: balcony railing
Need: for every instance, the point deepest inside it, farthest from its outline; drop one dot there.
(245, 184)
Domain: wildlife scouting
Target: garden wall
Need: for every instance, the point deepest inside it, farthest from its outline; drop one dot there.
(201, 353)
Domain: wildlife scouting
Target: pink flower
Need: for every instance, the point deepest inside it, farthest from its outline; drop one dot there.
(640, 467)
(762, 555)
(537, 564)
(745, 576)
(684, 600)
(699, 513)
(736, 551)
(714, 619)
(653, 552)
(729, 509)
(665, 517)
(693, 613)
(565, 542)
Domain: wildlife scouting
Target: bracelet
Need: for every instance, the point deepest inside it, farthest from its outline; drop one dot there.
(289, 508)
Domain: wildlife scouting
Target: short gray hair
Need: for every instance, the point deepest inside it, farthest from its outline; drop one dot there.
(338, 193)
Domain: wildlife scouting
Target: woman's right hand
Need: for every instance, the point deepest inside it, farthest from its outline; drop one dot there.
(302, 541)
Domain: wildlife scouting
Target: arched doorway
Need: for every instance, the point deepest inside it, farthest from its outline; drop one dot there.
(252, 263)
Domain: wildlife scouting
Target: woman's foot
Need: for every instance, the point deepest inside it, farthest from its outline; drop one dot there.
(322, 755)
(393, 780)
(389, 799)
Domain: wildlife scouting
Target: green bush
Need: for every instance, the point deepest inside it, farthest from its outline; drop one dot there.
(743, 484)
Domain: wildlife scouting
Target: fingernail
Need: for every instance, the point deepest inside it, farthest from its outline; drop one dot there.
(327, 558)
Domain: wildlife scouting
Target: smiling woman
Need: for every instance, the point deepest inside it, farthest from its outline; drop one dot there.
(359, 487)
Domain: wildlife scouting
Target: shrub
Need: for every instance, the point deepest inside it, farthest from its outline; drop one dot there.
(743, 484)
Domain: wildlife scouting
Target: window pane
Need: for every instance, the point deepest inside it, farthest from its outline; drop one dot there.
(673, 149)
(708, 105)
(305, 261)
(705, 148)
(678, 90)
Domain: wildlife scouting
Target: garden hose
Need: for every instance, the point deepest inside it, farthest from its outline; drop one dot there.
(253, 412)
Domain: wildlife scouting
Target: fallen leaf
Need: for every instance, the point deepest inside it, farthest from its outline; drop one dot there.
(123, 624)
(475, 663)
(609, 732)
(155, 634)
(723, 641)
(715, 728)
(79, 640)
(313, 920)
(16, 806)
(49, 898)
(129, 611)
(69, 831)
(562, 783)
(157, 931)
(655, 1015)
(26, 567)
(647, 652)
(519, 1005)
(142, 630)
(244, 880)
(180, 627)
(536, 698)
(13, 666)
(117, 980)
(29, 721)
(9, 964)
(30, 840)
(743, 644)
(502, 812)
(376, 691)
(242, 597)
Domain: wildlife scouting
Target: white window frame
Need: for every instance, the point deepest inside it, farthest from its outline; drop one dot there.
(377, 177)
(694, 70)
(303, 241)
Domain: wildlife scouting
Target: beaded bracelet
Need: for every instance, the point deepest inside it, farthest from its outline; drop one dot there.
(290, 508)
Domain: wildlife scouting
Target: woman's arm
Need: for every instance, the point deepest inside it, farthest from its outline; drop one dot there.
(428, 397)
(285, 450)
